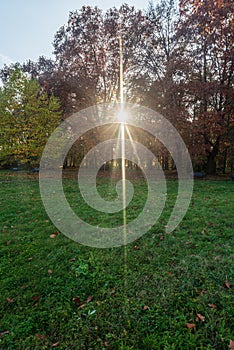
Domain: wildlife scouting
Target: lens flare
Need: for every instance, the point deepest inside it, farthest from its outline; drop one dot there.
(122, 116)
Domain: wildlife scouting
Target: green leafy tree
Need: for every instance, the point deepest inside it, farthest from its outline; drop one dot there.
(27, 118)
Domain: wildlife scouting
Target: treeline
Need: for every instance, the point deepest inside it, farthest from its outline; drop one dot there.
(178, 61)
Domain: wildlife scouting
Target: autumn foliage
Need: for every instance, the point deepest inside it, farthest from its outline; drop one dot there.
(178, 61)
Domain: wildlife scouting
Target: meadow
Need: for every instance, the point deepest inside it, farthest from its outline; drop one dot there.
(164, 291)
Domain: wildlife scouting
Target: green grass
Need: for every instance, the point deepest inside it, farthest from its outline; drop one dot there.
(141, 298)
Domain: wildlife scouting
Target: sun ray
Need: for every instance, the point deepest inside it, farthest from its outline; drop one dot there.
(134, 148)
(122, 119)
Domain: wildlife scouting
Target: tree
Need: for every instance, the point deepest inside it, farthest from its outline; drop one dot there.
(206, 35)
(27, 117)
(87, 50)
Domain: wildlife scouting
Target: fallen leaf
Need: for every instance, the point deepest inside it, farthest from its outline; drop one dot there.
(190, 325)
(218, 257)
(72, 259)
(24, 286)
(231, 344)
(3, 333)
(40, 336)
(201, 317)
(227, 284)
(55, 345)
(55, 234)
(201, 292)
(50, 271)
(30, 259)
(187, 243)
(212, 306)
(77, 301)
(90, 298)
(136, 247)
(9, 300)
(36, 297)
(106, 344)
(146, 308)
(134, 207)
(82, 306)
(8, 242)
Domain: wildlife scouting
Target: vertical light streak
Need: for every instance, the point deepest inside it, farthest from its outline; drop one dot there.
(121, 74)
(122, 127)
(123, 178)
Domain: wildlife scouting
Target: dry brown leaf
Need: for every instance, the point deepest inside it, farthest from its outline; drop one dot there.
(231, 344)
(190, 325)
(55, 344)
(54, 235)
(3, 333)
(227, 284)
(77, 301)
(82, 306)
(36, 297)
(90, 298)
(72, 259)
(201, 317)
(9, 300)
(212, 306)
(50, 271)
(8, 242)
(40, 336)
(201, 292)
(146, 307)
(106, 344)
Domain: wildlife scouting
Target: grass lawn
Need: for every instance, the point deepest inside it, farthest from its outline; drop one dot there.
(165, 291)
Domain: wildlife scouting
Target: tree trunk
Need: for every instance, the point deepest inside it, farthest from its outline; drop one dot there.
(211, 164)
(225, 161)
(211, 161)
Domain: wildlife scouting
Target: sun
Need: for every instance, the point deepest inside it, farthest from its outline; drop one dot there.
(122, 116)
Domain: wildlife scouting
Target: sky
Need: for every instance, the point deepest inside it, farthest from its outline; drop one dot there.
(28, 27)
